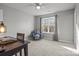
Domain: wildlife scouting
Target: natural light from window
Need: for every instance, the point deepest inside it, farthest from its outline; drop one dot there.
(48, 24)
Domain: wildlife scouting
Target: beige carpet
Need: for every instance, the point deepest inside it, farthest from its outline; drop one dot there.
(50, 48)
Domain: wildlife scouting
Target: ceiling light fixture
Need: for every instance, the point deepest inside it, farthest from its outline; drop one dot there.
(38, 5)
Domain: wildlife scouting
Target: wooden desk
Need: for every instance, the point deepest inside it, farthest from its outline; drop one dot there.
(13, 48)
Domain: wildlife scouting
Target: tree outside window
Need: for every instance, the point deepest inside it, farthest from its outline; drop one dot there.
(48, 24)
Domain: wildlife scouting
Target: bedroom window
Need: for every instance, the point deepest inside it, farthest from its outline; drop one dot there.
(48, 25)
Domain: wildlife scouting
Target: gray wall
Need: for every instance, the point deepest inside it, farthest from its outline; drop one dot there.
(77, 27)
(17, 21)
(75, 23)
(65, 24)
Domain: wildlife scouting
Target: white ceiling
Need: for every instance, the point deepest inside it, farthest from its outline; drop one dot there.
(45, 7)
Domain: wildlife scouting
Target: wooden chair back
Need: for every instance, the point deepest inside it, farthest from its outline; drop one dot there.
(20, 36)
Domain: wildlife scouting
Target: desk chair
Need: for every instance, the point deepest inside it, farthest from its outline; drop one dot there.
(20, 37)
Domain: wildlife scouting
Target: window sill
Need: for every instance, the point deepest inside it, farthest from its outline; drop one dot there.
(48, 32)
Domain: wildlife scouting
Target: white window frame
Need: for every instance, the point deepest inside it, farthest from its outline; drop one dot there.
(42, 19)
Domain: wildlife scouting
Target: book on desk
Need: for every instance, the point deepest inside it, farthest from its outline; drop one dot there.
(7, 40)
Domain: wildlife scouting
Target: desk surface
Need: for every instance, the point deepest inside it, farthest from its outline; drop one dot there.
(12, 48)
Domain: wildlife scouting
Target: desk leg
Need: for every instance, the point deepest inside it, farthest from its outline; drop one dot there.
(20, 52)
(26, 50)
(15, 54)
